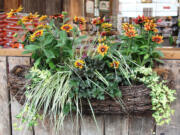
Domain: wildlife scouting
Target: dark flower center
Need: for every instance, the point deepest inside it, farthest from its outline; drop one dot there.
(79, 64)
(157, 39)
(66, 27)
(102, 49)
(38, 34)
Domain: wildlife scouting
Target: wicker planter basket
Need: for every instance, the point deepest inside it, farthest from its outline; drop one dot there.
(136, 99)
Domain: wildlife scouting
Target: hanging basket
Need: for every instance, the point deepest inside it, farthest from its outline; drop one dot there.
(135, 99)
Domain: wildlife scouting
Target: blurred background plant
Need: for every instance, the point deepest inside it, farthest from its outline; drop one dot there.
(139, 42)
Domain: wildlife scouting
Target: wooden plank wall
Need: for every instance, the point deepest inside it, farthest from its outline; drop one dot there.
(34, 6)
(1, 5)
(41, 6)
(49, 7)
(11, 4)
(108, 124)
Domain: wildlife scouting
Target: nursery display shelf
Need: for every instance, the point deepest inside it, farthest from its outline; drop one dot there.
(169, 52)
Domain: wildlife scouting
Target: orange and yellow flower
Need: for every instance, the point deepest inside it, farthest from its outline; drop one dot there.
(42, 26)
(158, 39)
(127, 26)
(130, 33)
(19, 9)
(101, 40)
(30, 17)
(79, 64)
(42, 18)
(36, 34)
(13, 12)
(66, 27)
(32, 38)
(155, 30)
(150, 26)
(107, 26)
(102, 49)
(114, 64)
(80, 20)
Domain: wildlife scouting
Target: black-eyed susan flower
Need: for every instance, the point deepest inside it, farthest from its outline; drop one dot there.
(66, 27)
(114, 64)
(42, 18)
(32, 38)
(36, 34)
(42, 26)
(82, 20)
(79, 64)
(76, 19)
(102, 49)
(79, 20)
(158, 39)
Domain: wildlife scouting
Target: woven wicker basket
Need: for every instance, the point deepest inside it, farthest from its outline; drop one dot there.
(135, 99)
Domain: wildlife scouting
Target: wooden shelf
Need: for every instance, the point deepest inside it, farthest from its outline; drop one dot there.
(12, 52)
(169, 53)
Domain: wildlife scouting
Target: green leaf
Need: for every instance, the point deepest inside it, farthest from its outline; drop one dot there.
(26, 52)
(51, 65)
(37, 62)
(49, 53)
(146, 56)
(31, 47)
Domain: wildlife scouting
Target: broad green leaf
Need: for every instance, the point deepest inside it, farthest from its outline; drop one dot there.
(49, 53)
(31, 47)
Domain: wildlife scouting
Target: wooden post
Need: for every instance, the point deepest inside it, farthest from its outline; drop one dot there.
(5, 128)
(76, 8)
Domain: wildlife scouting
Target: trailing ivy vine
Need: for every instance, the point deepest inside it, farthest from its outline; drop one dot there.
(161, 95)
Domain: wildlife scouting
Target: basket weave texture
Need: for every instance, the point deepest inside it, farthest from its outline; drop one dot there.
(135, 99)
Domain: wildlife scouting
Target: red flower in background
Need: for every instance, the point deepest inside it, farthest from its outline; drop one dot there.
(56, 16)
(97, 21)
(140, 19)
